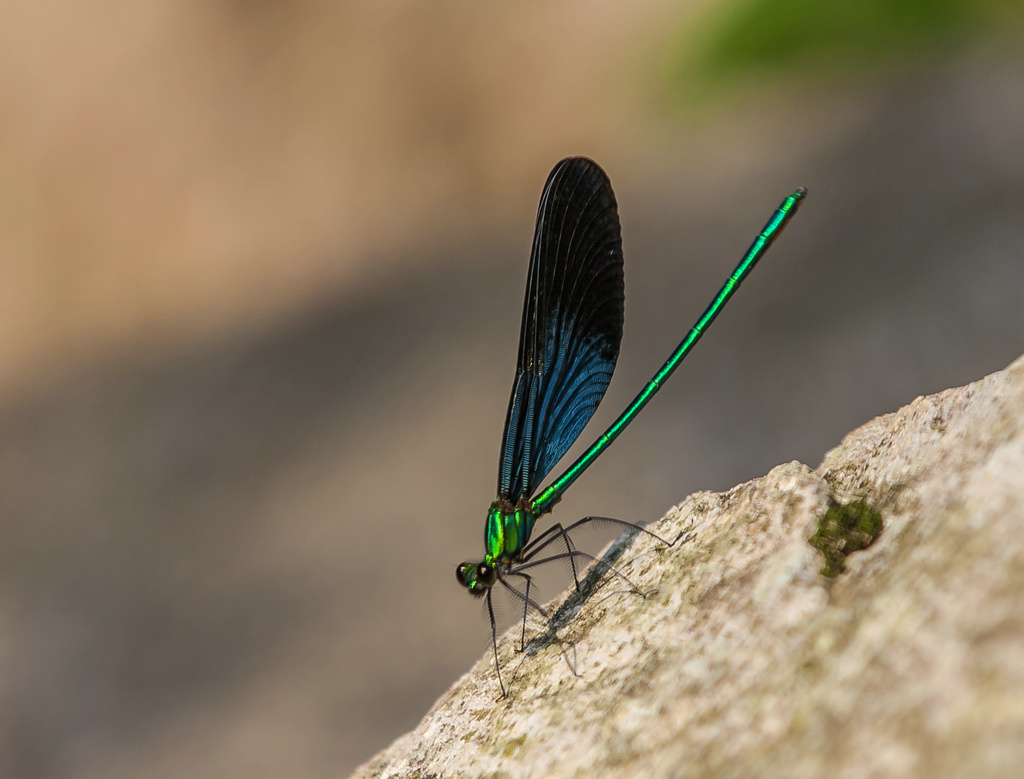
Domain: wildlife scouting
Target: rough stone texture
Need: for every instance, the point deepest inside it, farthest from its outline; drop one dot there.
(744, 660)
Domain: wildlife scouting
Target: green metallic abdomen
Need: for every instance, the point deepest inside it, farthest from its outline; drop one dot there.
(507, 531)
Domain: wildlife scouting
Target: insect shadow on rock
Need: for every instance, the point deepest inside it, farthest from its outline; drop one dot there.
(603, 571)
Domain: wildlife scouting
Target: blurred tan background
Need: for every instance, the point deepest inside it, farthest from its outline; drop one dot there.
(261, 269)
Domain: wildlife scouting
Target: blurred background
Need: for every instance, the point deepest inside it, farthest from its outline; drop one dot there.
(261, 270)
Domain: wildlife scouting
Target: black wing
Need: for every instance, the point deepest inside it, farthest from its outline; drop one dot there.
(572, 324)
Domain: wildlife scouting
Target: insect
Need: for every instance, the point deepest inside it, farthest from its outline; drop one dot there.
(568, 344)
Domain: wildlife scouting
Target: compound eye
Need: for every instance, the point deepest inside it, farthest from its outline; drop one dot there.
(485, 574)
(464, 573)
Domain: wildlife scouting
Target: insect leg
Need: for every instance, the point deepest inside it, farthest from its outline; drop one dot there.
(494, 643)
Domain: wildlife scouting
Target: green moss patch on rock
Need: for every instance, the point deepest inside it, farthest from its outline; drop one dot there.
(845, 528)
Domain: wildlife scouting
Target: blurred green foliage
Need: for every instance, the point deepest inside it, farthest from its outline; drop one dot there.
(759, 38)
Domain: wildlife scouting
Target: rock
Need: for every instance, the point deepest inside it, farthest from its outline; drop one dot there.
(899, 651)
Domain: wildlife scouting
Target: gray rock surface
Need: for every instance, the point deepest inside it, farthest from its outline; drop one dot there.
(746, 659)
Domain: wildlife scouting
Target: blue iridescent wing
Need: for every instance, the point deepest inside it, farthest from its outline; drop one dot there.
(572, 325)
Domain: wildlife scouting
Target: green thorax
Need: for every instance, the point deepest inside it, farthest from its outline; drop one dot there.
(507, 532)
